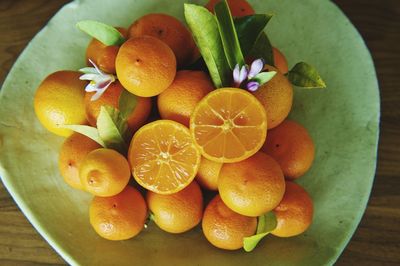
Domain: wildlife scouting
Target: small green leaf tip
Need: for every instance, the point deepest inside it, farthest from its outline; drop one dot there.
(88, 131)
(127, 104)
(104, 33)
(111, 128)
(266, 223)
(305, 76)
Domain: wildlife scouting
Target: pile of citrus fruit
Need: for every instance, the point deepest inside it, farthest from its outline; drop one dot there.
(184, 138)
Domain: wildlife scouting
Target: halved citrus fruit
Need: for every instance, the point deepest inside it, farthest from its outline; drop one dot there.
(163, 157)
(229, 125)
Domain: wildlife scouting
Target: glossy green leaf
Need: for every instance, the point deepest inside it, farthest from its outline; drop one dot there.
(266, 223)
(88, 131)
(249, 29)
(106, 34)
(305, 76)
(204, 28)
(112, 129)
(228, 35)
(264, 77)
(263, 49)
(127, 103)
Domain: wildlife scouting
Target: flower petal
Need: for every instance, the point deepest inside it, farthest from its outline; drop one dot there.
(256, 67)
(100, 91)
(95, 66)
(90, 87)
(252, 86)
(88, 70)
(236, 74)
(88, 76)
(243, 73)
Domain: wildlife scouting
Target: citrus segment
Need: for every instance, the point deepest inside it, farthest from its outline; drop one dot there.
(163, 157)
(229, 125)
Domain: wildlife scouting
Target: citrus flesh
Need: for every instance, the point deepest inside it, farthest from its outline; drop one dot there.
(163, 157)
(229, 125)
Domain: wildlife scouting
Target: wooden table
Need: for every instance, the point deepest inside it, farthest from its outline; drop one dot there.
(377, 239)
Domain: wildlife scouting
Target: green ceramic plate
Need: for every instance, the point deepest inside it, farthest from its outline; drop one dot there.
(343, 120)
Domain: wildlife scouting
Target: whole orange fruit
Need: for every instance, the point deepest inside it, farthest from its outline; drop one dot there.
(103, 56)
(59, 100)
(225, 228)
(119, 217)
(145, 66)
(104, 172)
(111, 98)
(179, 212)
(292, 147)
(294, 213)
(72, 153)
(169, 30)
(208, 174)
(252, 187)
(179, 100)
(239, 8)
(280, 60)
(276, 96)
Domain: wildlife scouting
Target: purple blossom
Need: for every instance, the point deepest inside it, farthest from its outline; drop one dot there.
(239, 74)
(256, 68)
(244, 74)
(252, 86)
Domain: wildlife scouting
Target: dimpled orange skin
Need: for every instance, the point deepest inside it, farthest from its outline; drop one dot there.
(72, 153)
(239, 8)
(276, 96)
(295, 212)
(119, 217)
(252, 187)
(169, 30)
(111, 98)
(179, 100)
(104, 172)
(178, 212)
(280, 60)
(293, 148)
(59, 100)
(145, 66)
(208, 174)
(225, 228)
(103, 56)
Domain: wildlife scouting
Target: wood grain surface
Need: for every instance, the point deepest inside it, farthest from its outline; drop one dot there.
(377, 239)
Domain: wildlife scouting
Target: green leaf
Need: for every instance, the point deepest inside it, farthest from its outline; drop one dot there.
(127, 103)
(204, 28)
(249, 29)
(228, 35)
(306, 76)
(112, 129)
(266, 223)
(250, 243)
(106, 34)
(90, 132)
(263, 49)
(264, 77)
